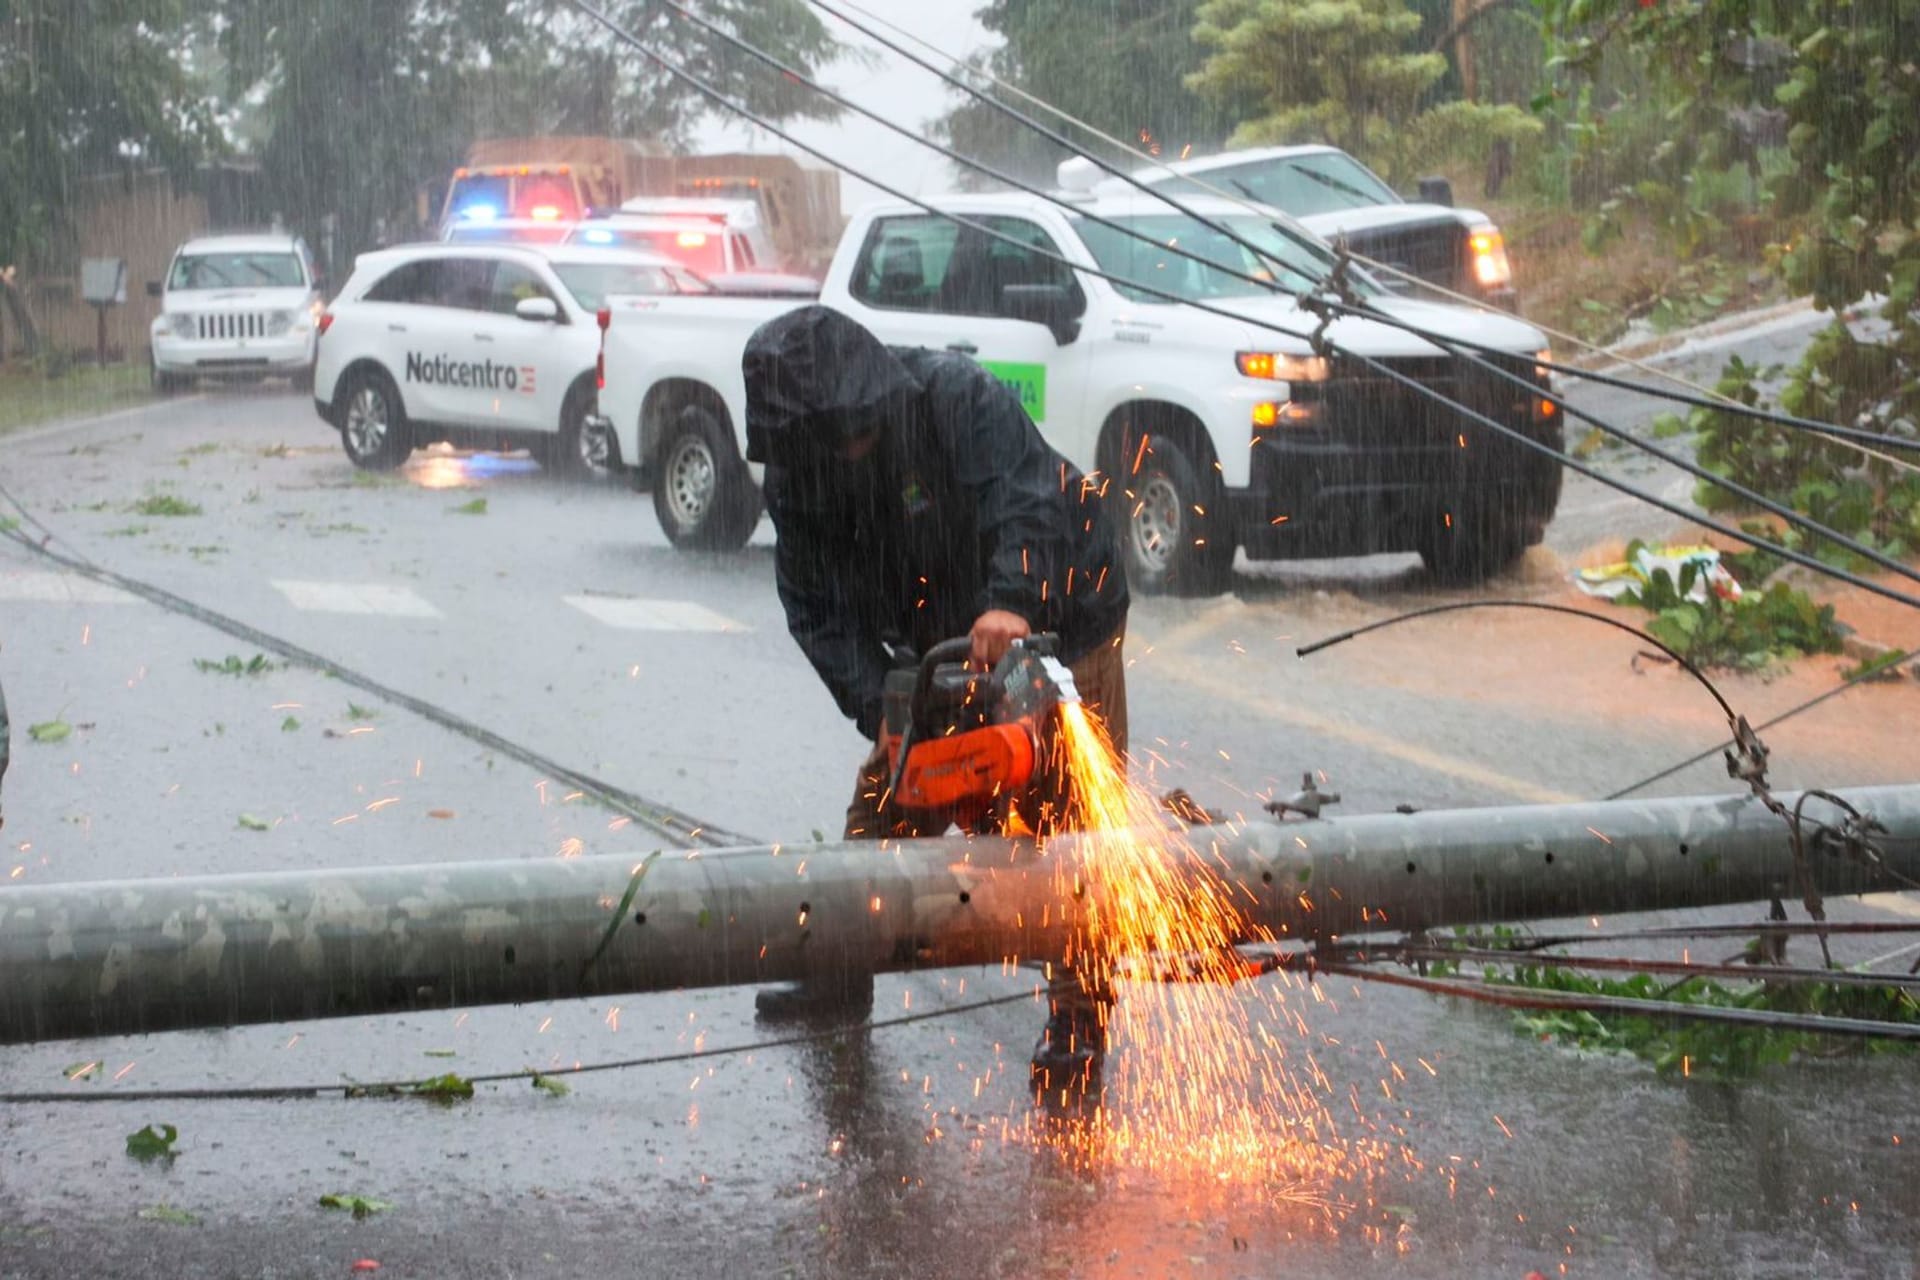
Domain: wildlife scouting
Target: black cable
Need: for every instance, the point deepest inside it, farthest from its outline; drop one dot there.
(1077, 208)
(1718, 747)
(1304, 241)
(663, 820)
(707, 91)
(418, 1087)
(1520, 998)
(1342, 637)
(1687, 465)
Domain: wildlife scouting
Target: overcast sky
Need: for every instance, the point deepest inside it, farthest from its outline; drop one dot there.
(903, 91)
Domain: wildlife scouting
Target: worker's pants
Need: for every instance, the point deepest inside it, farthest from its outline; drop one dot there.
(1100, 676)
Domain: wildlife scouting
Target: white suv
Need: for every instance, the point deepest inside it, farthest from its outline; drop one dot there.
(236, 307)
(488, 346)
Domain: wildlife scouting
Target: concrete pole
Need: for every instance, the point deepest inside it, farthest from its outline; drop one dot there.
(122, 957)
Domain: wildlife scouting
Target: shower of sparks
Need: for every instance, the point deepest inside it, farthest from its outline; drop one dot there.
(1199, 1080)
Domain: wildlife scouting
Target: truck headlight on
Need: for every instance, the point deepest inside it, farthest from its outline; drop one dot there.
(1488, 249)
(1280, 367)
(1543, 408)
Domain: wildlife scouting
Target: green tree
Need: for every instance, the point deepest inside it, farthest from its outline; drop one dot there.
(1348, 72)
(1843, 74)
(88, 86)
(364, 100)
(1119, 65)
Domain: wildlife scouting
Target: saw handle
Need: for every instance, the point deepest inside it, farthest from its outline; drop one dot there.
(958, 649)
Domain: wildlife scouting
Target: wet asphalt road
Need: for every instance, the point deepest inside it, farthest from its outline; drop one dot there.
(561, 619)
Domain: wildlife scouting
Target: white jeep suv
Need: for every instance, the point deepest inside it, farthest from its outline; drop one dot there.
(236, 307)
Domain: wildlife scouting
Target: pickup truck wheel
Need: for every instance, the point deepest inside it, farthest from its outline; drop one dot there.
(1170, 546)
(164, 384)
(1472, 548)
(701, 490)
(578, 452)
(373, 425)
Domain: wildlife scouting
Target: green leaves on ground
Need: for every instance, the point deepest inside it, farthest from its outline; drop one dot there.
(359, 1206)
(231, 665)
(50, 731)
(1776, 623)
(478, 507)
(550, 1085)
(446, 1089)
(155, 1142)
(168, 1214)
(1713, 1050)
(164, 504)
(357, 712)
(290, 725)
(252, 823)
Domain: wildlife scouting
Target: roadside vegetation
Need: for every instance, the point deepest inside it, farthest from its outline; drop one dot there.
(30, 395)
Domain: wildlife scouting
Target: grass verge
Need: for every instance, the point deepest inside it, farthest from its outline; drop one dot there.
(29, 398)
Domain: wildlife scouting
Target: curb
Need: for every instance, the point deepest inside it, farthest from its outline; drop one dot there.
(1644, 348)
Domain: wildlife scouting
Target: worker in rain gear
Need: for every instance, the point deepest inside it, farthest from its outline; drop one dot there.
(913, 500)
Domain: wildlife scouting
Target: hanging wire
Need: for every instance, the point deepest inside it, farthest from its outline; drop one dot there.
(1374, 265)
(706, 89)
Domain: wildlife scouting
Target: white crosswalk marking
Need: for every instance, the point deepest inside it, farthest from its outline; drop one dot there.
(630, 614)
(354, 597)
(60, 588)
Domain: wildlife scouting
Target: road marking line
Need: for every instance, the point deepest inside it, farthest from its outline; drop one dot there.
(1899, 904)
(60, 588)
(1209, 623)
(631, 614)
(354, 597)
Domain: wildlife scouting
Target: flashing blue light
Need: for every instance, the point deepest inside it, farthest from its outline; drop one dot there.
(597, 236)
(479, 213)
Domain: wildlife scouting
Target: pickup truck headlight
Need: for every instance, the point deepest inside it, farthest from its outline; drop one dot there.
(1280, 367)
(1488, 249)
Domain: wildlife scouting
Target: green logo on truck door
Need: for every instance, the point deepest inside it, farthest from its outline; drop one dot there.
(1028, 381)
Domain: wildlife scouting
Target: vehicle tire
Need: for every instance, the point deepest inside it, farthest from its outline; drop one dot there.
(164, 384)
(702, 491)
(373, 423)
(576, 452)
(1472, 547)
(1174, 535)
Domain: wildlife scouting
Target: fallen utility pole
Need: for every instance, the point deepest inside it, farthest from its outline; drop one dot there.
(134, 956)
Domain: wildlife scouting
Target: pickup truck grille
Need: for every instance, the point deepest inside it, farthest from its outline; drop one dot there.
(231, 324)
(1388, 431)
(1434, 252)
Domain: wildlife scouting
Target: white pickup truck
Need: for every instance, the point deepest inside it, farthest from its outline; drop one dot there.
(1221, 434)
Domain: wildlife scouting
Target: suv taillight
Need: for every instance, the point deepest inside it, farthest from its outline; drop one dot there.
(324, 323)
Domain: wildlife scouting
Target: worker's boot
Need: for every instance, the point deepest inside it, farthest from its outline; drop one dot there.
(1069, 1056)
(828, 998)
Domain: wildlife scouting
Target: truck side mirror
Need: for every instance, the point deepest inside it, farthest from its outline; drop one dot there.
(1436, 191)
(153, 288)
(1053, 305)
(537, 309)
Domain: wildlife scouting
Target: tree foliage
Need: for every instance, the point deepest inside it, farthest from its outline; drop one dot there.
(87, 87)
(1119, 65)
(1349, 72)
(364, 100)
(1843, 76)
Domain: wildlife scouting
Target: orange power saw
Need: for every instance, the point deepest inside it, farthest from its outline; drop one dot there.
(957, 738)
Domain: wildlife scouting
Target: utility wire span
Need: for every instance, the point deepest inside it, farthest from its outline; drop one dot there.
(663, 820)
(1296, 235)
(1718, 400)
(1308, 650)
(420, 1087)
(707, 90)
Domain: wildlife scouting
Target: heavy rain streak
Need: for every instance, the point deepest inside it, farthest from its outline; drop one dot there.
(1060, 638)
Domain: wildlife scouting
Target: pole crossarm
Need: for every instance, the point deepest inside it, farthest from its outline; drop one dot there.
(133, 956)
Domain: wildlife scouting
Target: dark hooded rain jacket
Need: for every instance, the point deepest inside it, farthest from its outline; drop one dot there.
(959, 508)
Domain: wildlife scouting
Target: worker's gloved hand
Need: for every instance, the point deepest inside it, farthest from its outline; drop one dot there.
(994, 632)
